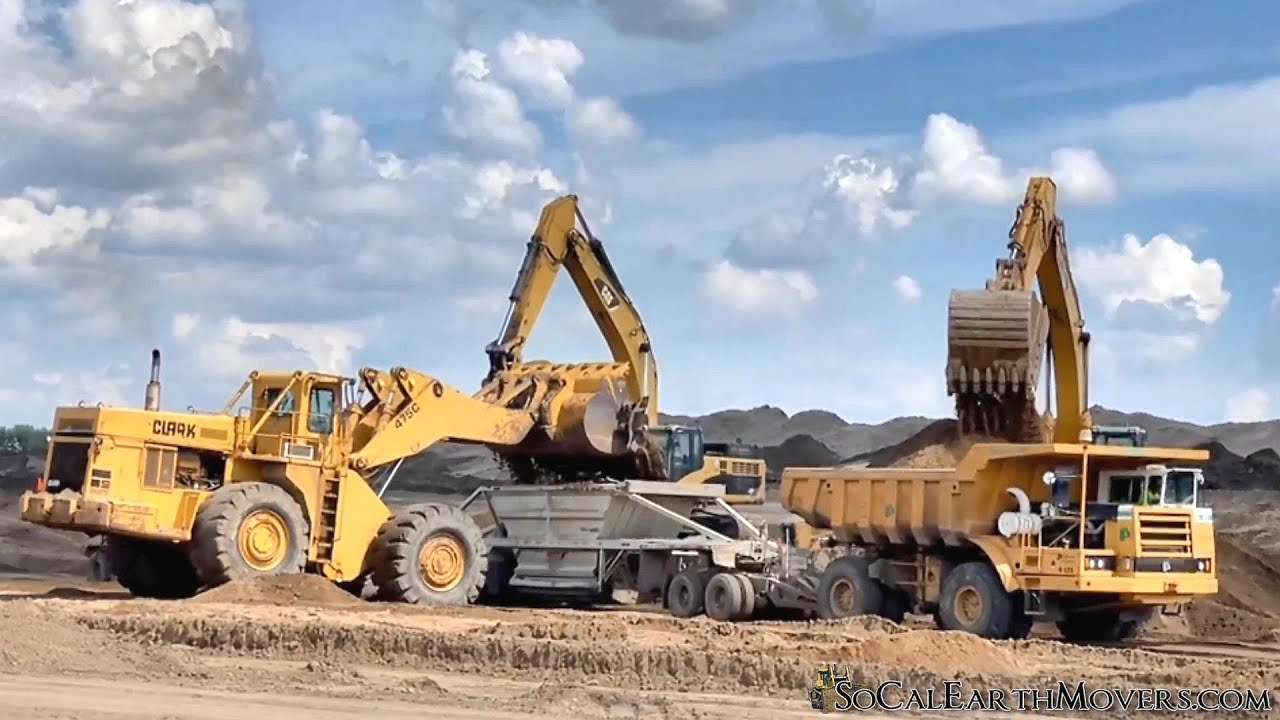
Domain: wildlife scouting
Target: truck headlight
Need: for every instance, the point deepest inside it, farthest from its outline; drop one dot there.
(1128, 564)
(1202, 565)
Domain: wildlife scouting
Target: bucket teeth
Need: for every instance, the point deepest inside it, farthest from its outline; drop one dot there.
(996, 339)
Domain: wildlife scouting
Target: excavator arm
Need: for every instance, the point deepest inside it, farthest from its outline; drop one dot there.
(558, 242)
(998, 336)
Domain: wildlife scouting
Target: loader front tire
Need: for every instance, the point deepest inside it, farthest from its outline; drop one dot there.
(430, 554)
(248, 530)
(151, 569)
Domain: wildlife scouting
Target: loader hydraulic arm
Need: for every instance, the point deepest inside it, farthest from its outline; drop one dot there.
(410, 411)
(998, 336)
(557, 241)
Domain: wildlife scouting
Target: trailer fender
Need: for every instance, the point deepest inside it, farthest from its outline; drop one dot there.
(1001, 558)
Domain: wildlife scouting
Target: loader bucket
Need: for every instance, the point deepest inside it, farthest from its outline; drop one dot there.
(995, 348)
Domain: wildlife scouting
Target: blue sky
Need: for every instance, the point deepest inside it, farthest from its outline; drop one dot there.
(789, 190)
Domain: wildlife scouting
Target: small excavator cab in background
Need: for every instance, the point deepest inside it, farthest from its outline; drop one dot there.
(692, 461)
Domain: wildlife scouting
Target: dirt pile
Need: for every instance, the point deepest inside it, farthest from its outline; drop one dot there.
(939, 445)
(310, 590)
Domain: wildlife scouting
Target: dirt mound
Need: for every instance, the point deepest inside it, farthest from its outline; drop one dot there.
(310, 590)
(939, 445)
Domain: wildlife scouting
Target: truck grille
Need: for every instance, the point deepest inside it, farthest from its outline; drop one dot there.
(1163, 534)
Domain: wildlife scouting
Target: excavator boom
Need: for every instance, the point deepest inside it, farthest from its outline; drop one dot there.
(557, 242)
(998, 336)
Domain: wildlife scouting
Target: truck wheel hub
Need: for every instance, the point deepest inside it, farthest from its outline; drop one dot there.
(263, 540)
(843, 597)
(442, 561)
(968, 605)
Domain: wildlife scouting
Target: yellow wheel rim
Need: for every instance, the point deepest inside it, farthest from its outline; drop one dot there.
(442, 561)
(263, 540)
(969, 606)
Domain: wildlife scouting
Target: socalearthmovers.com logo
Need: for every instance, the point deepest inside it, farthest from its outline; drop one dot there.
(832, 689)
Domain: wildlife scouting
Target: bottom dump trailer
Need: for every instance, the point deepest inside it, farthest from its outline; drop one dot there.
(1095, 538)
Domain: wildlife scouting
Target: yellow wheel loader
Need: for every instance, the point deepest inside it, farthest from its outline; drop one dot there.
(291, 480)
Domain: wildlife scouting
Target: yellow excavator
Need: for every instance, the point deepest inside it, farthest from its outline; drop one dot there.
(622, 410)
(998, 336)
(291, 481)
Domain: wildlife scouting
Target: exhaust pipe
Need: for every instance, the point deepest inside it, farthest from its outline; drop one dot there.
(153, 386)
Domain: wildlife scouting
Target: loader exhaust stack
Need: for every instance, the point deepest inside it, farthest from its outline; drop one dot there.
(152, 401)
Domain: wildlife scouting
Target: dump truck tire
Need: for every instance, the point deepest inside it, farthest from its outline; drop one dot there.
(975, 601)
(848, 590)
(249, 530)
(724, 597)
(686, 594)
(747, 607)
(150, 569)
(1104, 626)
(430, 554)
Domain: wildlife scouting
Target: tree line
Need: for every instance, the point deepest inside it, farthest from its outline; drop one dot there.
(23, 439)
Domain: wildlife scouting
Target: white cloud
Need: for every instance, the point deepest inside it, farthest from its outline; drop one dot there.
(1161, 272)
(957, 166)
(853, 198)
(235, 347)
(1209, 138)
(485, 113)
(601, 121)
(184, 324)
(758, 292)
(1251, 405)
(908, 289)
(542, 67)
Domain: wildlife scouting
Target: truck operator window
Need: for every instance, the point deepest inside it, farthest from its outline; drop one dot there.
(320, 418)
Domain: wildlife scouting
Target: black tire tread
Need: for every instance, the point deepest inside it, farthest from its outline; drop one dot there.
(999, 619)
(858, 571)
(395, 559)
(214, 552)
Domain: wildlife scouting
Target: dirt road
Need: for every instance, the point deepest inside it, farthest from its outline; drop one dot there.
(300, 647)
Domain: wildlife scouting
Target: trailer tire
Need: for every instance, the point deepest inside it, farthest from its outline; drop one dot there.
(497, 577)
(430, 554)
(747, 607)
(724, 597)
(686, 594)
(975, 601)
(848, 590)
(1104, 626)
(151, 569)
(248, 530)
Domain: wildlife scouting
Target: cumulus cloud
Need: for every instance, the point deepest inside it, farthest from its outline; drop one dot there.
(758, 292)
(168, 196)
(907, 288)
(870, 196)
(1161, 272)
(853, 198)
(957, 166)
(1250, 405)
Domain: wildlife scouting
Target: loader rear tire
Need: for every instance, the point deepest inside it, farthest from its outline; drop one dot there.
(848, 590)
(151, 569)
(249, 530)
(975, 601)
(430, 554)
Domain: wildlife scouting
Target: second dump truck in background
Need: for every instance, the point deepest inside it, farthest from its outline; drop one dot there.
(1094, 538)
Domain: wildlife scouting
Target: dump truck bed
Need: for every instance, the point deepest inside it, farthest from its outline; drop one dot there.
(890, 506)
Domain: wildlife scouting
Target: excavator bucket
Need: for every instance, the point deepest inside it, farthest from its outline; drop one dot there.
(995, 348)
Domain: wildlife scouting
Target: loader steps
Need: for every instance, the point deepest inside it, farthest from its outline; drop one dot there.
(328, 520)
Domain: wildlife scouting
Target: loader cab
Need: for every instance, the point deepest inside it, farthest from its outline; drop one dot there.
(294, 415)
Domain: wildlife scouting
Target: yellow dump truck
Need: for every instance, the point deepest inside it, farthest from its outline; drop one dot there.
(1093, 537)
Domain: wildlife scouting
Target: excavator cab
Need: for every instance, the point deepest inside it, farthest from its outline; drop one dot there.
(682, 449)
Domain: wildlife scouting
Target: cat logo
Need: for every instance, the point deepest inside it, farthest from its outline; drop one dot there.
(173, 428)
(607, 294)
